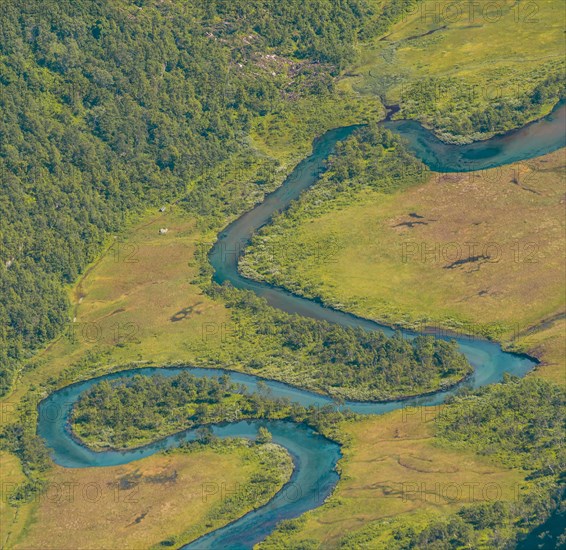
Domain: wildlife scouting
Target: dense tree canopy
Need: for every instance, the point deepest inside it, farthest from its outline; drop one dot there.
(521, 422)
(112, 106)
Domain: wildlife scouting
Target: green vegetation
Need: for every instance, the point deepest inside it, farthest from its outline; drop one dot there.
(505, 422)
(495, 524)
(519, 422)
(122, 414)
(348, 363)
(499, 115)
(115, 107)
(263, 436)
(165, 500)
(372, 159)
(516, 427)
(467, 71)
(440, 534)
(20, 439)
(355, 247)
(273, 467)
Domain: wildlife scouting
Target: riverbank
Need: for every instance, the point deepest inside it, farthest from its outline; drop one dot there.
(456, 70)
(135, 282)
(401, 480)
(355, 252)
(455, 452)
(144, 304)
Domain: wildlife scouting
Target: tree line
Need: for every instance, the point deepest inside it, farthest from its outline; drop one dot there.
(129, 413)
(518, 423)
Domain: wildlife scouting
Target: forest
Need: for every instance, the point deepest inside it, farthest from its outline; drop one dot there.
(519, 422)
(113, 107)
(376, 158)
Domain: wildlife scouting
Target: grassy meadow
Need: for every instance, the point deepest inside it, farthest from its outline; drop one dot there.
(393, 473)
(477, 253)
(135, 305)
(140, 302)
(12, 520)
(469, 473)
(444, 61)
(162, 500)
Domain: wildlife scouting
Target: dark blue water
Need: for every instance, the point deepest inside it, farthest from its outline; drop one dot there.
(315, 457)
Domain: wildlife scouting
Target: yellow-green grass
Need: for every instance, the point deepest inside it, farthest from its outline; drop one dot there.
(139, 504)
(126, 301)
(123, 303)
(123, 310)
(393, 470)
(286, 137)
(126, 306)
(11, 475)
(494, 49)
(547, 340)
(379, 267)
(150, 283)
(123, 307)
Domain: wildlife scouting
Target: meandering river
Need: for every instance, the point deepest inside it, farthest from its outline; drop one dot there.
(314, 456)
